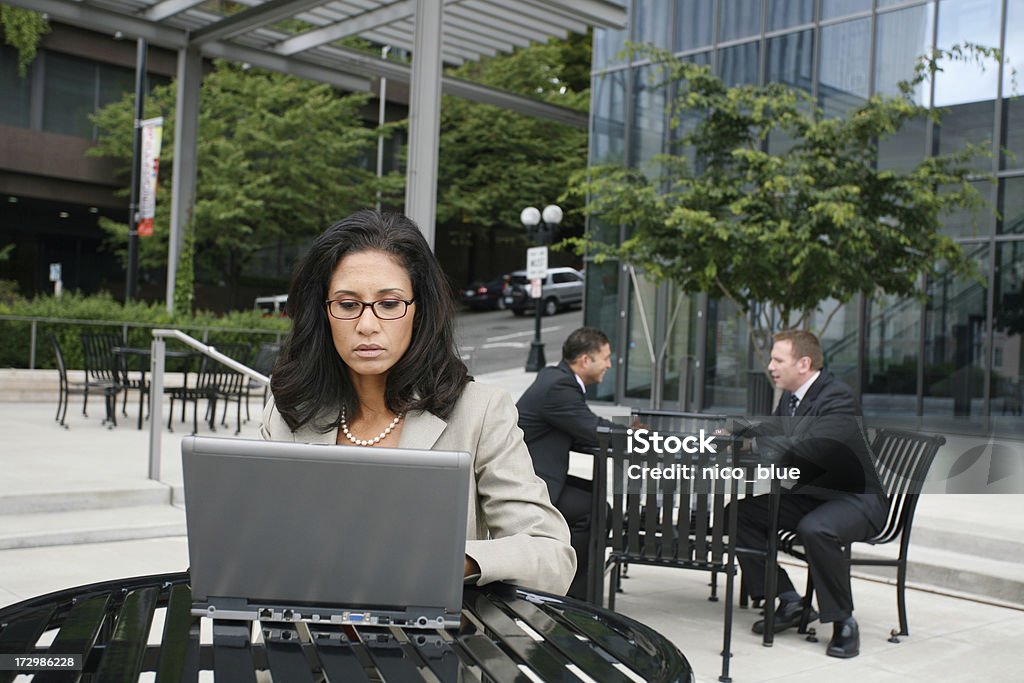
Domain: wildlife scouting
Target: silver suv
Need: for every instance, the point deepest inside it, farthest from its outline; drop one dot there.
(561, 289)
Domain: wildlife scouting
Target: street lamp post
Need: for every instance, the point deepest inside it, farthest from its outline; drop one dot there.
(540, 229)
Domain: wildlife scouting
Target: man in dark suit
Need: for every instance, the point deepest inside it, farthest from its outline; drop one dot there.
(836, 500)
(555, 419)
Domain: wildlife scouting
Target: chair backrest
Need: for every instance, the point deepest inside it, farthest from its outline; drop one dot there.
(265, 358)
(650, 517)
(902, 460)
(215, 376)
(676, 421)
(61, 368)
(101, 363)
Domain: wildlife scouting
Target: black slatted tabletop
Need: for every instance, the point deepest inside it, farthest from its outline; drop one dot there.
(127, 628)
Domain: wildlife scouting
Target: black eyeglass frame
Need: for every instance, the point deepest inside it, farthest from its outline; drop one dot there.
(372, 305)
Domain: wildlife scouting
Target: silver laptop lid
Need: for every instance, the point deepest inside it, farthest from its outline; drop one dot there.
(275, 523)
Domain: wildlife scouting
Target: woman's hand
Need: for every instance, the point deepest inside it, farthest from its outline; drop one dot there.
(471, 567)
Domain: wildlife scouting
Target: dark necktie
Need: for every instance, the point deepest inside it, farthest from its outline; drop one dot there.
(793, 400)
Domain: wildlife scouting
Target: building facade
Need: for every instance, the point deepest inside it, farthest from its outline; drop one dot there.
(955, 358)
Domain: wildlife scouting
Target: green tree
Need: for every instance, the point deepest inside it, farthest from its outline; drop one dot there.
(494, 162)
(23, 29)
(278, 159)
(780, 229)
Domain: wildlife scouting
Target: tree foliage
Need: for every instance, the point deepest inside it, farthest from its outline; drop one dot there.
(494, 162)
(780, 229)
(23, 29)
(278, 159)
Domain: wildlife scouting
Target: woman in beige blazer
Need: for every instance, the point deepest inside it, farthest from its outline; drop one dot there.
(371, 361)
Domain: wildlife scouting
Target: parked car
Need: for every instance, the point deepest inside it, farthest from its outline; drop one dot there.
(561, 289)
(486, 295)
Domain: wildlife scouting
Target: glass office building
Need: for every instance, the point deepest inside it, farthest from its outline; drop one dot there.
(959, 354)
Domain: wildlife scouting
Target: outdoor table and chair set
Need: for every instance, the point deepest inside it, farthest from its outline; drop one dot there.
(112, 367)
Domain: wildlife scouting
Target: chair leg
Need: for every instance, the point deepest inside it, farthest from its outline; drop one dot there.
(85, 401)
(238, 416)
(170, 414)
(64, 413)
(901, 602)
(714, 587)
(613, 585)
(805, 615)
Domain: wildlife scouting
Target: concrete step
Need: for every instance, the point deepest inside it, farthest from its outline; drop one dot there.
(974, 573)
(33, 530)
(146, 493)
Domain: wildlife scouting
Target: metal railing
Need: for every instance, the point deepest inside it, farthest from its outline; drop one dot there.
(203, 330)
(158, 357)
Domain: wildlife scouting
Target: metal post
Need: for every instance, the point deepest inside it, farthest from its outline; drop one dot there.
(156, 405)
(381, 112)
(32, 348)
(536, 361)
(133, 206)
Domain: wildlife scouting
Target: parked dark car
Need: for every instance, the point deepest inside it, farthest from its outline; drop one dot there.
(563, 288)
(486, 295)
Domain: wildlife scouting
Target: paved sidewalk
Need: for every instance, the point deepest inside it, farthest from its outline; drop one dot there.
(47, 471)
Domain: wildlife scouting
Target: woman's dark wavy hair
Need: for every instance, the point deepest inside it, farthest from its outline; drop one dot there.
(310, 381)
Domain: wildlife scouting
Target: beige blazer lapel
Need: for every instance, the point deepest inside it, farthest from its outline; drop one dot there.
(421, 430)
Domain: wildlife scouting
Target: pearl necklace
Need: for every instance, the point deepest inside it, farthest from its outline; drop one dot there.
(368, 442)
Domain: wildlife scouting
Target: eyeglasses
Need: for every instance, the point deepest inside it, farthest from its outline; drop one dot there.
(350, 309)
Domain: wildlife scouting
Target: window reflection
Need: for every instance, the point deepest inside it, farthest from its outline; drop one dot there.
(639, 349)
(738, 65)
(845, 52)
(961, 22)
(890, 365)
(831, 9)
(1007, 349)
(608, 47)
(649, 115)
(739, 19)
(955, 347)
(1013, 87)
(694, 19)
(607, 135)
(651, 24)
(602, 311)
(902, 37)
(726, 373)
(16, 89)
(786, 13)
(1011, 206)
(971, 222)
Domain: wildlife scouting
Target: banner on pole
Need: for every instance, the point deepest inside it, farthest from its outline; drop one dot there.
(152, 130)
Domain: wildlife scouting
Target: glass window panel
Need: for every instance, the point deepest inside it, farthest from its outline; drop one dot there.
(679, 358)
(791, 60)
(893, 3)
(839, 339)
(1013, 87)
(739, 19)
(966, 123)
(971, 223)
(786, 13)
(955, 346)
(602, 311)
(890, 365)
(904, 149)
(830, 9)
(845, 52)
(687, 119)
(639, 363)
(1011, 206)
(608, 47)
(16, 98)
(903, 36)
(726, 372)
(694, 22)
(1007, 403)
(960, 22)
(649, 116)
(69, 95)
(652, 22)
(608, 122)
(738, 65)
(115, 82)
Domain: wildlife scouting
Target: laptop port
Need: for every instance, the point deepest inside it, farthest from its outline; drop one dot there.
(266, 613)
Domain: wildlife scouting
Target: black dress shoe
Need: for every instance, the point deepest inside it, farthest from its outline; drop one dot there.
(845, 641)
(786, 616)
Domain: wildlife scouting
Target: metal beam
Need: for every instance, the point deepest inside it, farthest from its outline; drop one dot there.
(288, 65)
(599, 13)
(424, 118)
(539, 18)
(495, 14)
(347, 27)
(106, 22)
(168, 8)
(254, 17)
(183, 172)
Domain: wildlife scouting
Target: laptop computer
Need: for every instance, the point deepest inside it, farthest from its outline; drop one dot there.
(325, 534)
